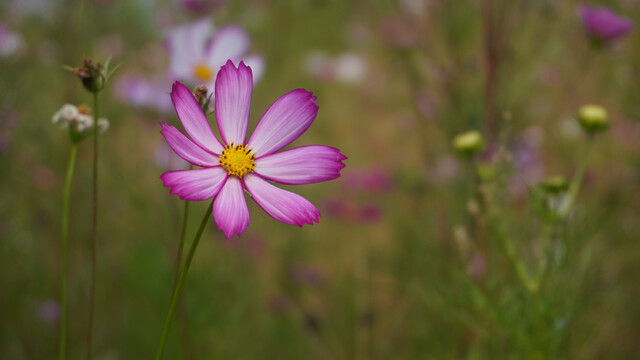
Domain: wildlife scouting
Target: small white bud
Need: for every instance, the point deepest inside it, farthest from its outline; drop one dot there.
(103, 125)
(66, 113)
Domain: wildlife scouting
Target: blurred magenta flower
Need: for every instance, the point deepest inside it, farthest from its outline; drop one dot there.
(199, 6)
(197, 53)
(603, 25)
(232, 166)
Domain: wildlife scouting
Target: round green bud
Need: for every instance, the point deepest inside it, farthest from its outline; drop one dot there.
(592, 118)
(554, 184)
(469, 143)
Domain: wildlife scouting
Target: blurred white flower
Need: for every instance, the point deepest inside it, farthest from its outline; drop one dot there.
(347, 68)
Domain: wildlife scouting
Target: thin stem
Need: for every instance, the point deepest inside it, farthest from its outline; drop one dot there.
(175, 296)
(576, 182)
(65, 250)
(183, 234)
(94, 250)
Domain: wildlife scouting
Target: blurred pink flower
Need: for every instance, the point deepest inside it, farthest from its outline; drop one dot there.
(603, 25)
(10, 41)
(143, 92)
(49, 311)
(352, 211)
(197, 52)
(367, 181)
(233, 166)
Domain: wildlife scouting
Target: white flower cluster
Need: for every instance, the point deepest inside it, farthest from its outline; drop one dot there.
(80, 122)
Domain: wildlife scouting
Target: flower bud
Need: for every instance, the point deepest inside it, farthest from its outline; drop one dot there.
(200, 93)
(554, 184)
(592, 118)
(468, 143)
(92, 75)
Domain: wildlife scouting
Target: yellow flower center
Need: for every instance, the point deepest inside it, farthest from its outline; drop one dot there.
(203, 72)
(238, 160)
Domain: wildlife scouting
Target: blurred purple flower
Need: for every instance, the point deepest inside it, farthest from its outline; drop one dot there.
(527, 161)
(307, 275)
(143, 92)
(10, 41)
(603, 25)
(49, 311)
(197, 52)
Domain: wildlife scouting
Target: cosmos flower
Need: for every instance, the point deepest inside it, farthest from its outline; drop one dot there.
(196, 55)
(603, 25)
(234, 165)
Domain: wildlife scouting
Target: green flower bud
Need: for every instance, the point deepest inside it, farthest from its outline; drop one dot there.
(93, 76)
(592, 118)
(469, 143)
(554, 184)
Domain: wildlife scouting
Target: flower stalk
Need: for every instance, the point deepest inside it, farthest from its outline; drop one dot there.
(175, 295)
(94, 248)
(65, 250)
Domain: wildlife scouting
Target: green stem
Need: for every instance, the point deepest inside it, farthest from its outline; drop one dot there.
(175, 296)
(183, 235)
(576, 182)
(94, 250)
(65, 250)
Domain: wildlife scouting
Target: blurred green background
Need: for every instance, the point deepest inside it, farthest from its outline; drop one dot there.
(401, 266)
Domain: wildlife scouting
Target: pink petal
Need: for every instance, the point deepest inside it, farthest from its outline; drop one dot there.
(186, 46)
(195, 185)
(193, 119)
(285, 120)
(230, 42)
(233, 101)
(282, 205)
(256, 63)
(230, 208)
(302, 165)
(186, 149)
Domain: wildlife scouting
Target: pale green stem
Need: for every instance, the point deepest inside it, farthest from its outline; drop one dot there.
(576, 182)
(94, 250)
(65, 250)
(175, 296)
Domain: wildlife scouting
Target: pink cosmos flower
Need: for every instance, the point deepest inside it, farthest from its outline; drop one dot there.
(197, 53)
(234, 165)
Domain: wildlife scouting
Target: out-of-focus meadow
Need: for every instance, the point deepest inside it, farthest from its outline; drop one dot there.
(416, 255)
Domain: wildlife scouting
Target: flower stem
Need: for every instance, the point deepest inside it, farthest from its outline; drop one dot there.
(94, 249)
(65, 250)
(576, 182)
(183, 235)
(175, 296)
